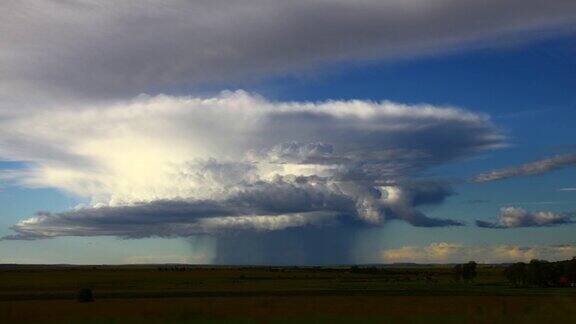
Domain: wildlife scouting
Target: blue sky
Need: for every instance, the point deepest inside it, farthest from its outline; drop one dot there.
(522, 81)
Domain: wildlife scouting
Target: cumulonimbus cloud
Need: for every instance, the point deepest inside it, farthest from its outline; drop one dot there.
(529, 169)
(237, 161)
(443, 252)
(513, 217)
(103, 48)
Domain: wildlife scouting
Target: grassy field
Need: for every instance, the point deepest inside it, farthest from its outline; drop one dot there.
(285, 294)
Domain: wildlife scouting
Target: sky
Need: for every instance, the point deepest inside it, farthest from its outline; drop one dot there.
(280, 132)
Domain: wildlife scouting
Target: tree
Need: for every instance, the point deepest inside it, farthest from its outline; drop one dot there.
(538, 273)
(469, 271)
(517, 274)
(542, 273)
(570, 270)
(457, 273)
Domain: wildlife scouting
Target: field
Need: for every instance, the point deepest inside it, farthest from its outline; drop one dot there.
(179, 294)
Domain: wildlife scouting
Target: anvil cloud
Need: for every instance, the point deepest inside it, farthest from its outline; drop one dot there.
(175, 166)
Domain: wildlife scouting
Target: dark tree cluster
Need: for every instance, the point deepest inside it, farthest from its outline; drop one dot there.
(466, 272)
(542, 273)
(368, 270)
(175, 268)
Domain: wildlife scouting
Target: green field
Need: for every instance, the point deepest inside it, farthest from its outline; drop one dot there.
(286, 294)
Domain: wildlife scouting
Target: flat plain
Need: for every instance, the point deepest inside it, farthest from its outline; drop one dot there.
(182, 293)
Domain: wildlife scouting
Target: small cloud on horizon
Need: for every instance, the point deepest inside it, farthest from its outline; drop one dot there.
(444, 252)
(514, 217)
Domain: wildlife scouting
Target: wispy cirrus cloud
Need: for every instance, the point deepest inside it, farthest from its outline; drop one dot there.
(529, 169)
(176, 166)
(513, 217)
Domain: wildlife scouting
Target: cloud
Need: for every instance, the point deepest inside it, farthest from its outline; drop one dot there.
(529, 169)
(262, 207)
(513, 217)
(401, 200)
(567, 189)
(444, 252)
(168, 259)
(101, 49)
(237, 161)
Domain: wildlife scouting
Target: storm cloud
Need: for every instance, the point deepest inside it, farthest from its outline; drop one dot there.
(102, 49)
(513, 217)
(177, 166)
(103, 100)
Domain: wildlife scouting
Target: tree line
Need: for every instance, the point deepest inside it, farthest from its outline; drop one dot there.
(542, 273)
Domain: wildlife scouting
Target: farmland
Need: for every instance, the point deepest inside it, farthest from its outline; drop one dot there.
(179, 293)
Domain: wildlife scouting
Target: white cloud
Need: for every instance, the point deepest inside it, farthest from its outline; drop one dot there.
(443, 252)
(242, 151)
(178, 147)
(512, 217)
(263, 222)
(104, 48)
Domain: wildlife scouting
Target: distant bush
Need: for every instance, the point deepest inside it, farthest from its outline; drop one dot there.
(84, 295)
(466, 271)
(457, 273)
(368, 270)
(469, 271)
